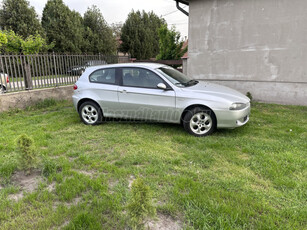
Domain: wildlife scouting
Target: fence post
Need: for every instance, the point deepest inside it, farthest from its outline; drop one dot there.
(55, 69)
(28, 76)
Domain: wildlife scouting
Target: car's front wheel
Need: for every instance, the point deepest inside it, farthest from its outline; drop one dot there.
(90, 113)
(199, 121)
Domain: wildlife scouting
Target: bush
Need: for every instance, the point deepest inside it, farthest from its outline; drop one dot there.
(12, 43)
(249, 95)
(140, 205)
(28, 158)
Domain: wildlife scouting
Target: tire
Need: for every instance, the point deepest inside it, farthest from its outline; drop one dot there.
(90, 113)
(2, 89)
(199, 121)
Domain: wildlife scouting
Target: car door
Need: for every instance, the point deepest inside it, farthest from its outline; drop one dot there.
(140, 98)
(104, 89)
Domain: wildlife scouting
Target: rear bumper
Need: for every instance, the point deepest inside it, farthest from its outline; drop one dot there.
(232, 118)
(75, 100)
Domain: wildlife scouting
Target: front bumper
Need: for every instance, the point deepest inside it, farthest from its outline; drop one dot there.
(232, 118)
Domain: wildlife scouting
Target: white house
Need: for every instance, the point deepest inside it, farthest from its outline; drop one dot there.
(256, 46)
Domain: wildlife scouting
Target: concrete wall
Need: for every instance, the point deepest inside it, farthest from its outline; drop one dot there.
(24, 99)
(257, 46)
(185, 66)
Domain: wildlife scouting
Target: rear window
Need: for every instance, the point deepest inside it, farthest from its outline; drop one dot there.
(106, 76)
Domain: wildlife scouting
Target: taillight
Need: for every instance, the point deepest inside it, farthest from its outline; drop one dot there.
(75, 87)
(7, 79)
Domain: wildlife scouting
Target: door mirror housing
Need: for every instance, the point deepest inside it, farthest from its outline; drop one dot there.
(162, 86)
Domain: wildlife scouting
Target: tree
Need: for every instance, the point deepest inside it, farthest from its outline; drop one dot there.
(170, 44)
(19, 16)
(116, 28)
(139, 34)
(14, 44)
(98, 35)
(63, 27)
(3, 39)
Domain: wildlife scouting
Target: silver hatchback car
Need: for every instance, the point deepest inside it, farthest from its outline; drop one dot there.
(156, 92)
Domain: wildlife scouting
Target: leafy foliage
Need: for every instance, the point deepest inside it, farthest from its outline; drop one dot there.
(249, 95)
(116, 28)
(35, 44)
(3, 39)
(98, 35)
(28, 158)
(15, 44)
(170, 44)
(17, 15)
(66, 30)
(63, 27)
(139, 34)
(140, 204)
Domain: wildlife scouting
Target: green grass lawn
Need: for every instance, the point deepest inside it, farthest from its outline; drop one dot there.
(253, 177)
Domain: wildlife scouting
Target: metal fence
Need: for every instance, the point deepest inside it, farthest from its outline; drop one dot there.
(27, 72)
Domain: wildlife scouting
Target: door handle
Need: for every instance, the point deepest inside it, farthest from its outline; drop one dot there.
(123, 91)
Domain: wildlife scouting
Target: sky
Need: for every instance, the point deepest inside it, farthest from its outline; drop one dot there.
(116, 11)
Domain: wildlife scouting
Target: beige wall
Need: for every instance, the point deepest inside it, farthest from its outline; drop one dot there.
(257, 46)
(26, 98)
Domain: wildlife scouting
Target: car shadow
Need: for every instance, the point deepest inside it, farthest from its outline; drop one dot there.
(171, 127)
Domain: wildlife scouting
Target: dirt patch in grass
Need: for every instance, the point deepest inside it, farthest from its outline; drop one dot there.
(90, 173)
(130, 181)
(26, 183)
(113, 183)
(66, 222)
(244, 157)
(74, 202)
(51, 187)
(16, 197)
(163, 222)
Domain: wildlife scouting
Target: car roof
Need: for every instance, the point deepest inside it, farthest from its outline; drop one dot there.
(140, 65)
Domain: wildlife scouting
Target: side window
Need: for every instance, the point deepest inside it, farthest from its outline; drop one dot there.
(138, 77)
(106, 76)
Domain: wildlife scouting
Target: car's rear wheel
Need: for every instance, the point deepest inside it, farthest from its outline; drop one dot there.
(199, 121)
(90, 113)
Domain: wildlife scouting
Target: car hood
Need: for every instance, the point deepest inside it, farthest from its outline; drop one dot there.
(209, 88)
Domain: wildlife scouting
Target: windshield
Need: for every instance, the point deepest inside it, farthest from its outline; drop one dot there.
(176, 77)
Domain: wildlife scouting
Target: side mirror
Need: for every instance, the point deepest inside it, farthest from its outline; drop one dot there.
(161, 86)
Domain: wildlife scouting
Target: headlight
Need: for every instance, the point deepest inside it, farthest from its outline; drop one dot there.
(237, 106)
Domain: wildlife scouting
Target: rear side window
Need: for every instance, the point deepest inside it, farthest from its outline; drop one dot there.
(106, 76)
